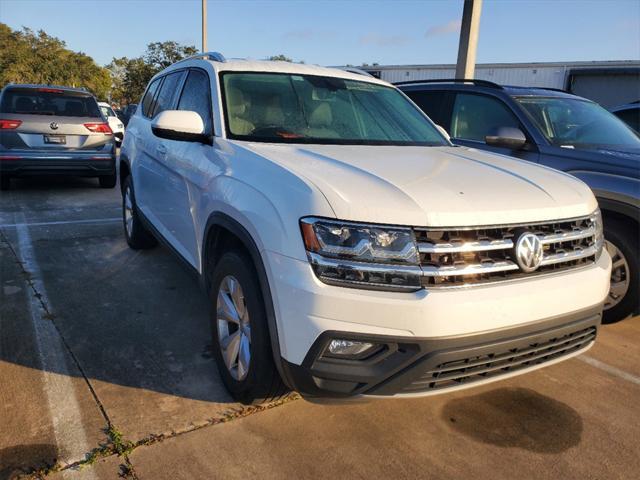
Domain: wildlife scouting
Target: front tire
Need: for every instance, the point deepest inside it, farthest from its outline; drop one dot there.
(623, 245)
(138, 237)
(241, 341)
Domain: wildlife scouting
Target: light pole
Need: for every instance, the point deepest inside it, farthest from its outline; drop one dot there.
(204, 25)
(469, 28)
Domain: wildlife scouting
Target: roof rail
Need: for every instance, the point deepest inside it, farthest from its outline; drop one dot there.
(475, 81)
(357, 71)
(213, 56)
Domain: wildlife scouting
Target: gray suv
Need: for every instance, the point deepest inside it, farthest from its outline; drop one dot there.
(558, 130)
(54, 130)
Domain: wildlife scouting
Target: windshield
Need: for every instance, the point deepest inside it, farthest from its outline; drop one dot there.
(107, 111)
(48, 101)
(288, 108)
(569, 122)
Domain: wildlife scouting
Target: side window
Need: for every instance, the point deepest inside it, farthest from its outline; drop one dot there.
(168, 92)
(196, 97)
(433, 103)
(147, 100)
(475, 116)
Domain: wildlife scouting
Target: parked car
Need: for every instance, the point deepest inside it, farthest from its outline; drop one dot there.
(346, 246)
(629, 114)
(562, 131)
(47, 130)
(116, 125)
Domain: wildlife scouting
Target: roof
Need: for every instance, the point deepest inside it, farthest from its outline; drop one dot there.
(432, 84)
(57, 87)
(270, 66)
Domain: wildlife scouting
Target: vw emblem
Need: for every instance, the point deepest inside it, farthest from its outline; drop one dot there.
(529, 252)
(53, 125)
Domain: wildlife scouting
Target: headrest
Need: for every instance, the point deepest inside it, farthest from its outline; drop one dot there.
(321, 116)
(236, 102)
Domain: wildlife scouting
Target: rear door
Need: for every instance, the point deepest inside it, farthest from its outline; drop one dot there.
(50, 119)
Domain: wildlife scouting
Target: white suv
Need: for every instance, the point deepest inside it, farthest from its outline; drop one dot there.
(346, 246)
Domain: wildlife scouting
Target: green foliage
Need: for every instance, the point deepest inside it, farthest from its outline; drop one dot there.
(35, 57)
(130, 76)
(280, 57)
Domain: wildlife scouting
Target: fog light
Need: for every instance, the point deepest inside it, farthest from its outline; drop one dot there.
(349, 348)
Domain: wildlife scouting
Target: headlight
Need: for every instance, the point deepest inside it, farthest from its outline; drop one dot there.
(364, 256)
(596, 219)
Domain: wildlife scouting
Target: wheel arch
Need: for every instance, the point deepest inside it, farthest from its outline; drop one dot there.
(216, 236)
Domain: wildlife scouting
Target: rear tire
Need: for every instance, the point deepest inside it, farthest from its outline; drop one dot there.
(108, 181)
(239, 321)
(138, 237)
(5, 183)
(624, 245)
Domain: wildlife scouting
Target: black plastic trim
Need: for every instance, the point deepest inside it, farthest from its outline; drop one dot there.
(405, 358)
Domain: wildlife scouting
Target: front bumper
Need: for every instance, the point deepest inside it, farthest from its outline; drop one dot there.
(425, 329)
(417, 367)
(18, 164)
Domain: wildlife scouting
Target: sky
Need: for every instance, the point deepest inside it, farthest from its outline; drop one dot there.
(342, 32)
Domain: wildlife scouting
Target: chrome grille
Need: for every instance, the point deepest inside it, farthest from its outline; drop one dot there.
(455, 257)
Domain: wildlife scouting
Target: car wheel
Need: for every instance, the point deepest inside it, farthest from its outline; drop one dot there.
(138, 237)
(5, 182)
(623, 245)
(241, 342)
(108, 181)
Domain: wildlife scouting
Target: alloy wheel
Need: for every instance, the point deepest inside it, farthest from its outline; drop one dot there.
(619, 276)
(234, 328)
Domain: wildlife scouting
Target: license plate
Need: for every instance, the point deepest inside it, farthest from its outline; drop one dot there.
(57, 139)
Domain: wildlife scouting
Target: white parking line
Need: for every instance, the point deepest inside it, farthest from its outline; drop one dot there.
(630, 377)
(62, 222)
(64, 408)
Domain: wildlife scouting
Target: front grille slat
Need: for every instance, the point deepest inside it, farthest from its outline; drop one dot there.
(452, 257)
(474, 369)
(511, 355)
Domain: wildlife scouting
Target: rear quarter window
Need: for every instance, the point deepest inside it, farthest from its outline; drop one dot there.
(49, 101)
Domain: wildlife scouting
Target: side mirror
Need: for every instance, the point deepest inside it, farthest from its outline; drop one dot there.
(181, 125)
(507, 137)
(444, 132)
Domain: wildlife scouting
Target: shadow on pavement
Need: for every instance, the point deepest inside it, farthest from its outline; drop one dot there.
(23, 458)
(516, 417)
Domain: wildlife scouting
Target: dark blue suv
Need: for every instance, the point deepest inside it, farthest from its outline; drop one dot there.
(562, 131)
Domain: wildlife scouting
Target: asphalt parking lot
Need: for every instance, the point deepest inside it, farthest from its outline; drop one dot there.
(106, 372)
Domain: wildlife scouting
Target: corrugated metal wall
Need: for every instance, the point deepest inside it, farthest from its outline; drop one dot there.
(543, 76)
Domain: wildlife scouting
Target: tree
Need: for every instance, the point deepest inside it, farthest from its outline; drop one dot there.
(130, 76)
(281, 58)
(35, 57)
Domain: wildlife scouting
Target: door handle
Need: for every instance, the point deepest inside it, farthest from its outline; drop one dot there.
(161, 149)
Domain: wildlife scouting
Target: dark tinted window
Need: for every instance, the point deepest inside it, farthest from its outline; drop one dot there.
(476, 116)
(195, 97)
(165, 100)
(631, 117)
(49, 101)
(432, 103)
(147, 100)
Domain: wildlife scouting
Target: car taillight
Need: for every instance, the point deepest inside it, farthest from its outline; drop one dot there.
(99, 128)
(9, 124)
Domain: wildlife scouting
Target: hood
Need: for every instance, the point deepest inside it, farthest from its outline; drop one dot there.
(431, 186)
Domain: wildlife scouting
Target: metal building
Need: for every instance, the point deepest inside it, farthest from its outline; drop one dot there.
(609, 83)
